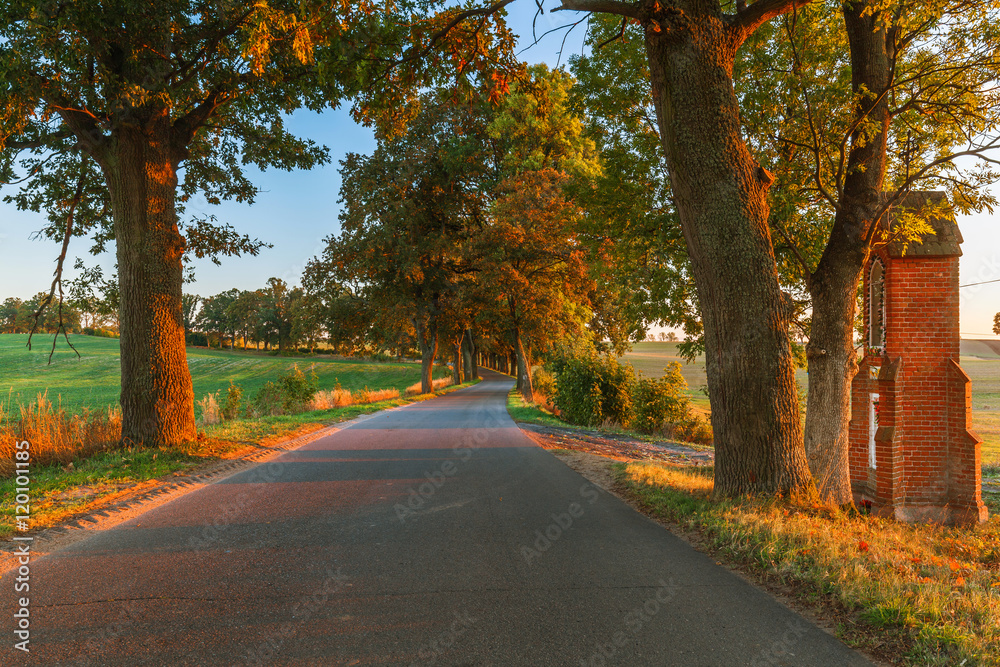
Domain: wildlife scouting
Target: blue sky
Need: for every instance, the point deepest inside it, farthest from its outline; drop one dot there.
(296, 210)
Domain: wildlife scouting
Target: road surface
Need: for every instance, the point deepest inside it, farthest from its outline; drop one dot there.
(436, 533)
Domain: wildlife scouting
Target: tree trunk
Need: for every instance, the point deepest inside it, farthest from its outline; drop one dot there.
(157, 398)
(427, 338)
(721, 197)
(469, 356)
(523, 368)
(834, 284)
(456, 372)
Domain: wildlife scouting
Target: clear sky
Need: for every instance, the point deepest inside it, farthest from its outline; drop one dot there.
(296, 210)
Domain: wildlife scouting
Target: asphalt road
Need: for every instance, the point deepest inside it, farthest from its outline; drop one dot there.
(435, 533)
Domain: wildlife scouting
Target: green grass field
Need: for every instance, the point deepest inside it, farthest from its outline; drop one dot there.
(980, 359)
(93, 381)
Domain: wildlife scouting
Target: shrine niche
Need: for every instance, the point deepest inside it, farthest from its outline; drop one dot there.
(913, 455)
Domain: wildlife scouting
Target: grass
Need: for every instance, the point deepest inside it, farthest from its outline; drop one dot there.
(528, 413)
(59, 491)
(979, 360)
(94, 381)
(934, 590)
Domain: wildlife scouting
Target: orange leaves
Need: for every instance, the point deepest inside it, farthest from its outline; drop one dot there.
(862, 545)
(499, 87)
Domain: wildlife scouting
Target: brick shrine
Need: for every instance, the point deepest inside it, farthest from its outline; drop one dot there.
(913, 454)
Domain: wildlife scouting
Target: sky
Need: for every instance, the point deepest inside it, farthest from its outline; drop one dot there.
(295, 211)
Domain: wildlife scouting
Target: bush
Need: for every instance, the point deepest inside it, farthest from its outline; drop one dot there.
(196, 339)
(436, 385)
(268, 400)
(543, 382)
(591, 390)
(234, 401)
(100, 332)
(660, 400)
(297, 389)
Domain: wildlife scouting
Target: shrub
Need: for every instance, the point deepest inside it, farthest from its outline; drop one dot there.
(297, 389)
(591, 389)
(196, 339)
(269, 400)
(543, 382)
(660, 400)
(100, 332)
(231, 408)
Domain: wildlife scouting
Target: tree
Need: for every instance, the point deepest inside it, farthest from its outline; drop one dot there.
(409, 201)
(720, 192)
(996, 324)
(631, 229)
(9, 311)
(306, 314)
(536, 270)
(275, 315)
(527, 253)
(119, 112)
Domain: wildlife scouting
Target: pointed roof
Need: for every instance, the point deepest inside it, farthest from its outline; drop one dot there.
(946, 238)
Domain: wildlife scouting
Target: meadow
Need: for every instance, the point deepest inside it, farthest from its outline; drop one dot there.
(980, 359)
(93, 381)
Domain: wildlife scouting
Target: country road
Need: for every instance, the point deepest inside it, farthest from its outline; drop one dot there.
(436, 533)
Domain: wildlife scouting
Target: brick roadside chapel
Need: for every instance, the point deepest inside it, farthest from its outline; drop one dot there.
(913, 454)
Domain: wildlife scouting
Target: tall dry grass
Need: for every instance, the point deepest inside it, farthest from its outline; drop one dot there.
(211, 413)
(415, 389)
(55, 435)
(341, 398)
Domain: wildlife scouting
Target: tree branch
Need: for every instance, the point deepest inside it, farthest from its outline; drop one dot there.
(629, 9)
(795, 250)
(57, 280)
(748, 19)
(42, 142)
(186, 126)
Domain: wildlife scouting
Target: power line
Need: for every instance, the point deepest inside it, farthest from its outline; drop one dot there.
(982, 283)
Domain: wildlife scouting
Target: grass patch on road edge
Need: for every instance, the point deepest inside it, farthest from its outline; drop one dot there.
(529, 413)
(58, 492)
(913, 594)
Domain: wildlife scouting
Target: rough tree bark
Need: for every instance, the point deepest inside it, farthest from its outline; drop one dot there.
(456, 371)
(834, 284)
(427, 339)
(469, 354)
(721, 196)
(157, 398)
(521, 366)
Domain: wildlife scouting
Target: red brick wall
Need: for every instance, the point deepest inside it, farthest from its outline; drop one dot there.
(927, 457)
(922, 328)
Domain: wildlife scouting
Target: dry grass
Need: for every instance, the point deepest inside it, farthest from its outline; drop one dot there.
(55, 435)
(935, 587)
(415, 389)
(544, 401)
(341, 398)
(211, 413)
